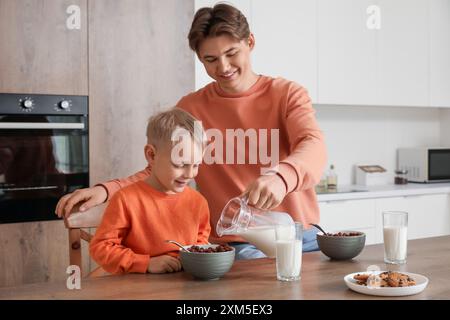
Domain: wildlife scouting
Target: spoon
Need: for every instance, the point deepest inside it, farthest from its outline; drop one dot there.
(319, 227)
(178, 244)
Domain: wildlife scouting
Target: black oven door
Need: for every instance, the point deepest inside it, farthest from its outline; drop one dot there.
(41, 159)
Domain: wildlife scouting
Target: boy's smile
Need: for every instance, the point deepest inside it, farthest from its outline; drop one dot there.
(172, 174)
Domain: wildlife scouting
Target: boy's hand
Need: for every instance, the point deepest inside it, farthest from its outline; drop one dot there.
(266, 192)
(86, 198)
(163, 264)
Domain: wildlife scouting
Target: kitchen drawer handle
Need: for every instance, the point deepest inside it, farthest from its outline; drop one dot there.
(336, 201)
(41, 125)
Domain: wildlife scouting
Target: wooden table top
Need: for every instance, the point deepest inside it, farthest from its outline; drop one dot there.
(256, 279)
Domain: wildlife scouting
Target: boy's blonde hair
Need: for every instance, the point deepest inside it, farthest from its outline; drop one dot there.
(161, 126)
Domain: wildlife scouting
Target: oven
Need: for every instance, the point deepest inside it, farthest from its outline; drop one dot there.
(44, 153)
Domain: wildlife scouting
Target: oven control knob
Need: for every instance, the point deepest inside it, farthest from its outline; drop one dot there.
(27, 104)
(64, 104)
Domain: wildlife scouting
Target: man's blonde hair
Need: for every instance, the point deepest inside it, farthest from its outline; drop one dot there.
(161, 126)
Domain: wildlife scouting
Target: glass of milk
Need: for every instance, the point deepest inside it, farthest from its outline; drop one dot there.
(395, 227)
(289, 251)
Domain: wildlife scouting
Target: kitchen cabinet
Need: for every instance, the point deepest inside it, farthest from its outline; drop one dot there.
(34, 252)
(139, 63)
(355, 215)
(43, 47)
(361, 65)
(346, 53)
(201, 77)
(43, 50)
(428, 215)
(403, 53)
(288, 47)
(440, 53)
(333, 49)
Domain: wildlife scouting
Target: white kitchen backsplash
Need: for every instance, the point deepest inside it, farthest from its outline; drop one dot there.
(371, 135)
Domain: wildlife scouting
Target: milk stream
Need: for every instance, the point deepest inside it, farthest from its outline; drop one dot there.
(264, 238)
(395, 243)
(289, 258)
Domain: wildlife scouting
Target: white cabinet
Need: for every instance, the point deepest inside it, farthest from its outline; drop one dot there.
(388, 65)
(428, 215)
(329, 47)
(201, 77)
(403, 53)
(285, 35)
(351, 215)
(440, 53)
(346, 53)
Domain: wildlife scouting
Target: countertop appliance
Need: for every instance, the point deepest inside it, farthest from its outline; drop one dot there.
(425, 164)
(43, 153)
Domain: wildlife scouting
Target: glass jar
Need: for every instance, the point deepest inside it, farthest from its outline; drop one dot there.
(321, 187)
(401, 176)
(332, 178)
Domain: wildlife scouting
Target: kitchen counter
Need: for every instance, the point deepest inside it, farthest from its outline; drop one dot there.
(256, 279)
(352, 192)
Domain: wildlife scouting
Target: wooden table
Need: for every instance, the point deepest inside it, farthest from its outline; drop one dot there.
(256, 279)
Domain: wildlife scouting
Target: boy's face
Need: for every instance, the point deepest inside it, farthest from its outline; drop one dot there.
(227, 61)
(171, 173)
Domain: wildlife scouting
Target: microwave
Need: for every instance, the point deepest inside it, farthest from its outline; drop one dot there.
(424, 164)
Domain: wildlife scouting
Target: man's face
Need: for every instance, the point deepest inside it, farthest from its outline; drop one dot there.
(227, 61)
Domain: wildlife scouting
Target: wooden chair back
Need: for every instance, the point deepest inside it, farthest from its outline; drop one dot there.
(76, 223)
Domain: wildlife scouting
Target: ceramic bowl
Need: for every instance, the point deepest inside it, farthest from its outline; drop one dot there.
(207, 266)
(341, 247)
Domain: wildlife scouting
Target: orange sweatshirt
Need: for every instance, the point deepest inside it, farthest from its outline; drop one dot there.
(269, 104)
(139, 219)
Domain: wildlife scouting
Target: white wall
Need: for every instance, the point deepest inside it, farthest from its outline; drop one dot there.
(445, 127)
(371, 135)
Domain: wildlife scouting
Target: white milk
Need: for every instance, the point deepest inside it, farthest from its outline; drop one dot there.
(395, 243)
(263, 238)
(289, 258)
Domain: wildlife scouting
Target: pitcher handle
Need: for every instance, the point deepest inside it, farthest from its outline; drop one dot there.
(245, 198)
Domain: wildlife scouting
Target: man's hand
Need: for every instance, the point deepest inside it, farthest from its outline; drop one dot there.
(85, 198)
(266, 192)
(163, 264)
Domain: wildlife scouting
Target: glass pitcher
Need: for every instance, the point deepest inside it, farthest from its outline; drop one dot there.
(255, 225)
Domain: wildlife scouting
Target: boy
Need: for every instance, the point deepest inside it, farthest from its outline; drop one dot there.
(141, 217)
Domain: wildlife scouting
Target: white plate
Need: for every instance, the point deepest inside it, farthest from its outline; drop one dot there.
(421, 284)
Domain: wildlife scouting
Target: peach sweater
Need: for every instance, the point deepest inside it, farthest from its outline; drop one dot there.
(271, 103)
(139, 219)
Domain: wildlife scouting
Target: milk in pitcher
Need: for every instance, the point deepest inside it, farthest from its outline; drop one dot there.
(262, 238)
